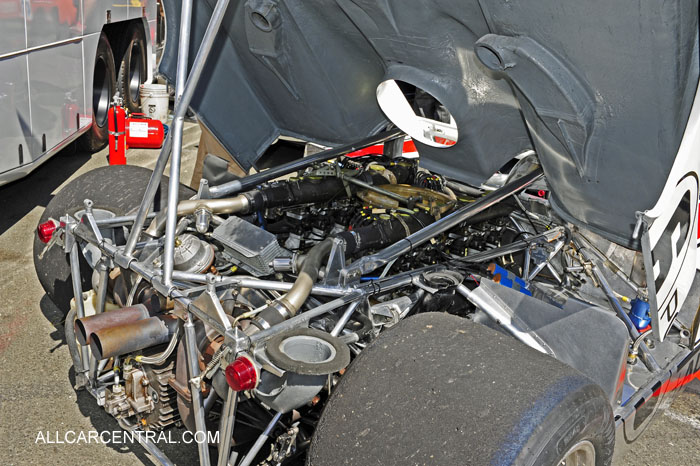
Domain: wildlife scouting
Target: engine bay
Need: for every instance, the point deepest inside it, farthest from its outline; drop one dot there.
(279, 288)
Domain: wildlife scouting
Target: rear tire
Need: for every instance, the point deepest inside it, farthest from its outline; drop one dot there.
(133, 70)
(118, 189)
(104, 85)
(439, 389)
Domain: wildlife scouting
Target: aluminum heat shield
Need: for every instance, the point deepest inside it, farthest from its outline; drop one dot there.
(250, 247)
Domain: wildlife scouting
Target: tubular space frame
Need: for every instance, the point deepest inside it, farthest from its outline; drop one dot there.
(344, 295)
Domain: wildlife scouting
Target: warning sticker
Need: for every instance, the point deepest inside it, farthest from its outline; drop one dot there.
(138, 129)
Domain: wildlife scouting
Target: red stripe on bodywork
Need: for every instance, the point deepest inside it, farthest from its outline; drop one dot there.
(671, 385)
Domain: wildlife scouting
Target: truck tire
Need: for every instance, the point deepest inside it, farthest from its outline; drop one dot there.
(439, 389)
(133, 70)
(104, 85)
(118, 189)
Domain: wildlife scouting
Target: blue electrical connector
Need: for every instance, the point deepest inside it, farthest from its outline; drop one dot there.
(639, 314)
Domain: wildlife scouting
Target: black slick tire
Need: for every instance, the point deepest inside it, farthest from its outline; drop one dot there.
(439, 389)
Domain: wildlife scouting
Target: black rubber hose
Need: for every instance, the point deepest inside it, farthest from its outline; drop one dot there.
(384, 232)
(307, 190)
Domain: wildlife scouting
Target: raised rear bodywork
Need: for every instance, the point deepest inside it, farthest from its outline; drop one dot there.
(601, 90)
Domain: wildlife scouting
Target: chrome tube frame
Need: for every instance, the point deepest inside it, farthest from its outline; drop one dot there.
(79, 308)
(103, 270)
(228, 419)
(242, 282)
(162, 161)
(149, 446)
(178, 122)
(251, 181)
(122, 220)
(344, 318)
(196, 389)
(187, 86)
(248, 458)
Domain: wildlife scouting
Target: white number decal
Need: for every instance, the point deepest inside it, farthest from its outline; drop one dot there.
(669, 247)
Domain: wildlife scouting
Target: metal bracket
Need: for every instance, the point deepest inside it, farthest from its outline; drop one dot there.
(261, 357)
(203, 191)
(210, 304)
(640, 226)
(389, 313)
(336, 263)
(343, 178)
(541, 262)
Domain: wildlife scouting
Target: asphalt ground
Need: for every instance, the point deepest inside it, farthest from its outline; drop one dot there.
(38, 405)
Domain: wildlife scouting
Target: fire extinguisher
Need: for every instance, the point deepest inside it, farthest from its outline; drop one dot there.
(134, 131)
(143, 132)
(116, 126)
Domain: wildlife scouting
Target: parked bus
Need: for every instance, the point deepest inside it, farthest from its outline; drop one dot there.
(61, 62)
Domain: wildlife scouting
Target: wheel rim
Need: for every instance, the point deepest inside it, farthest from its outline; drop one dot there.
(101, 92)
(135, 71)
(581, 454)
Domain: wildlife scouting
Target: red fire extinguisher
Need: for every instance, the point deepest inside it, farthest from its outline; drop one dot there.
(116, 125)
(143, 132)
(135, 131)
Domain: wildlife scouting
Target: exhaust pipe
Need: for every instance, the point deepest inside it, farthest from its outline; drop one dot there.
(85, 327)
(287, 306)
(134, 336)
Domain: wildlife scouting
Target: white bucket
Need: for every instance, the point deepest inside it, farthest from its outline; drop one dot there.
(154, 101)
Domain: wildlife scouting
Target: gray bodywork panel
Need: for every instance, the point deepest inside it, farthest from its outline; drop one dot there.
(587, 338)
(601, 90)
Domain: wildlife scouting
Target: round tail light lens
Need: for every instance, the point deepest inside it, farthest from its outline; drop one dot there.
(241, 374)
(46, 230)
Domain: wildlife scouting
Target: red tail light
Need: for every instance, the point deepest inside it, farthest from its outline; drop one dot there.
(46, 230)
(241, 374)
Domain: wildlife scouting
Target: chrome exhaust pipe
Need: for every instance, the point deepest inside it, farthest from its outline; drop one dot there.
(85, 327)
(134, 336)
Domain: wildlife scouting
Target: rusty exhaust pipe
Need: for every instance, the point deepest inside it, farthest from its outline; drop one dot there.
(86, 326)
(115, 341)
